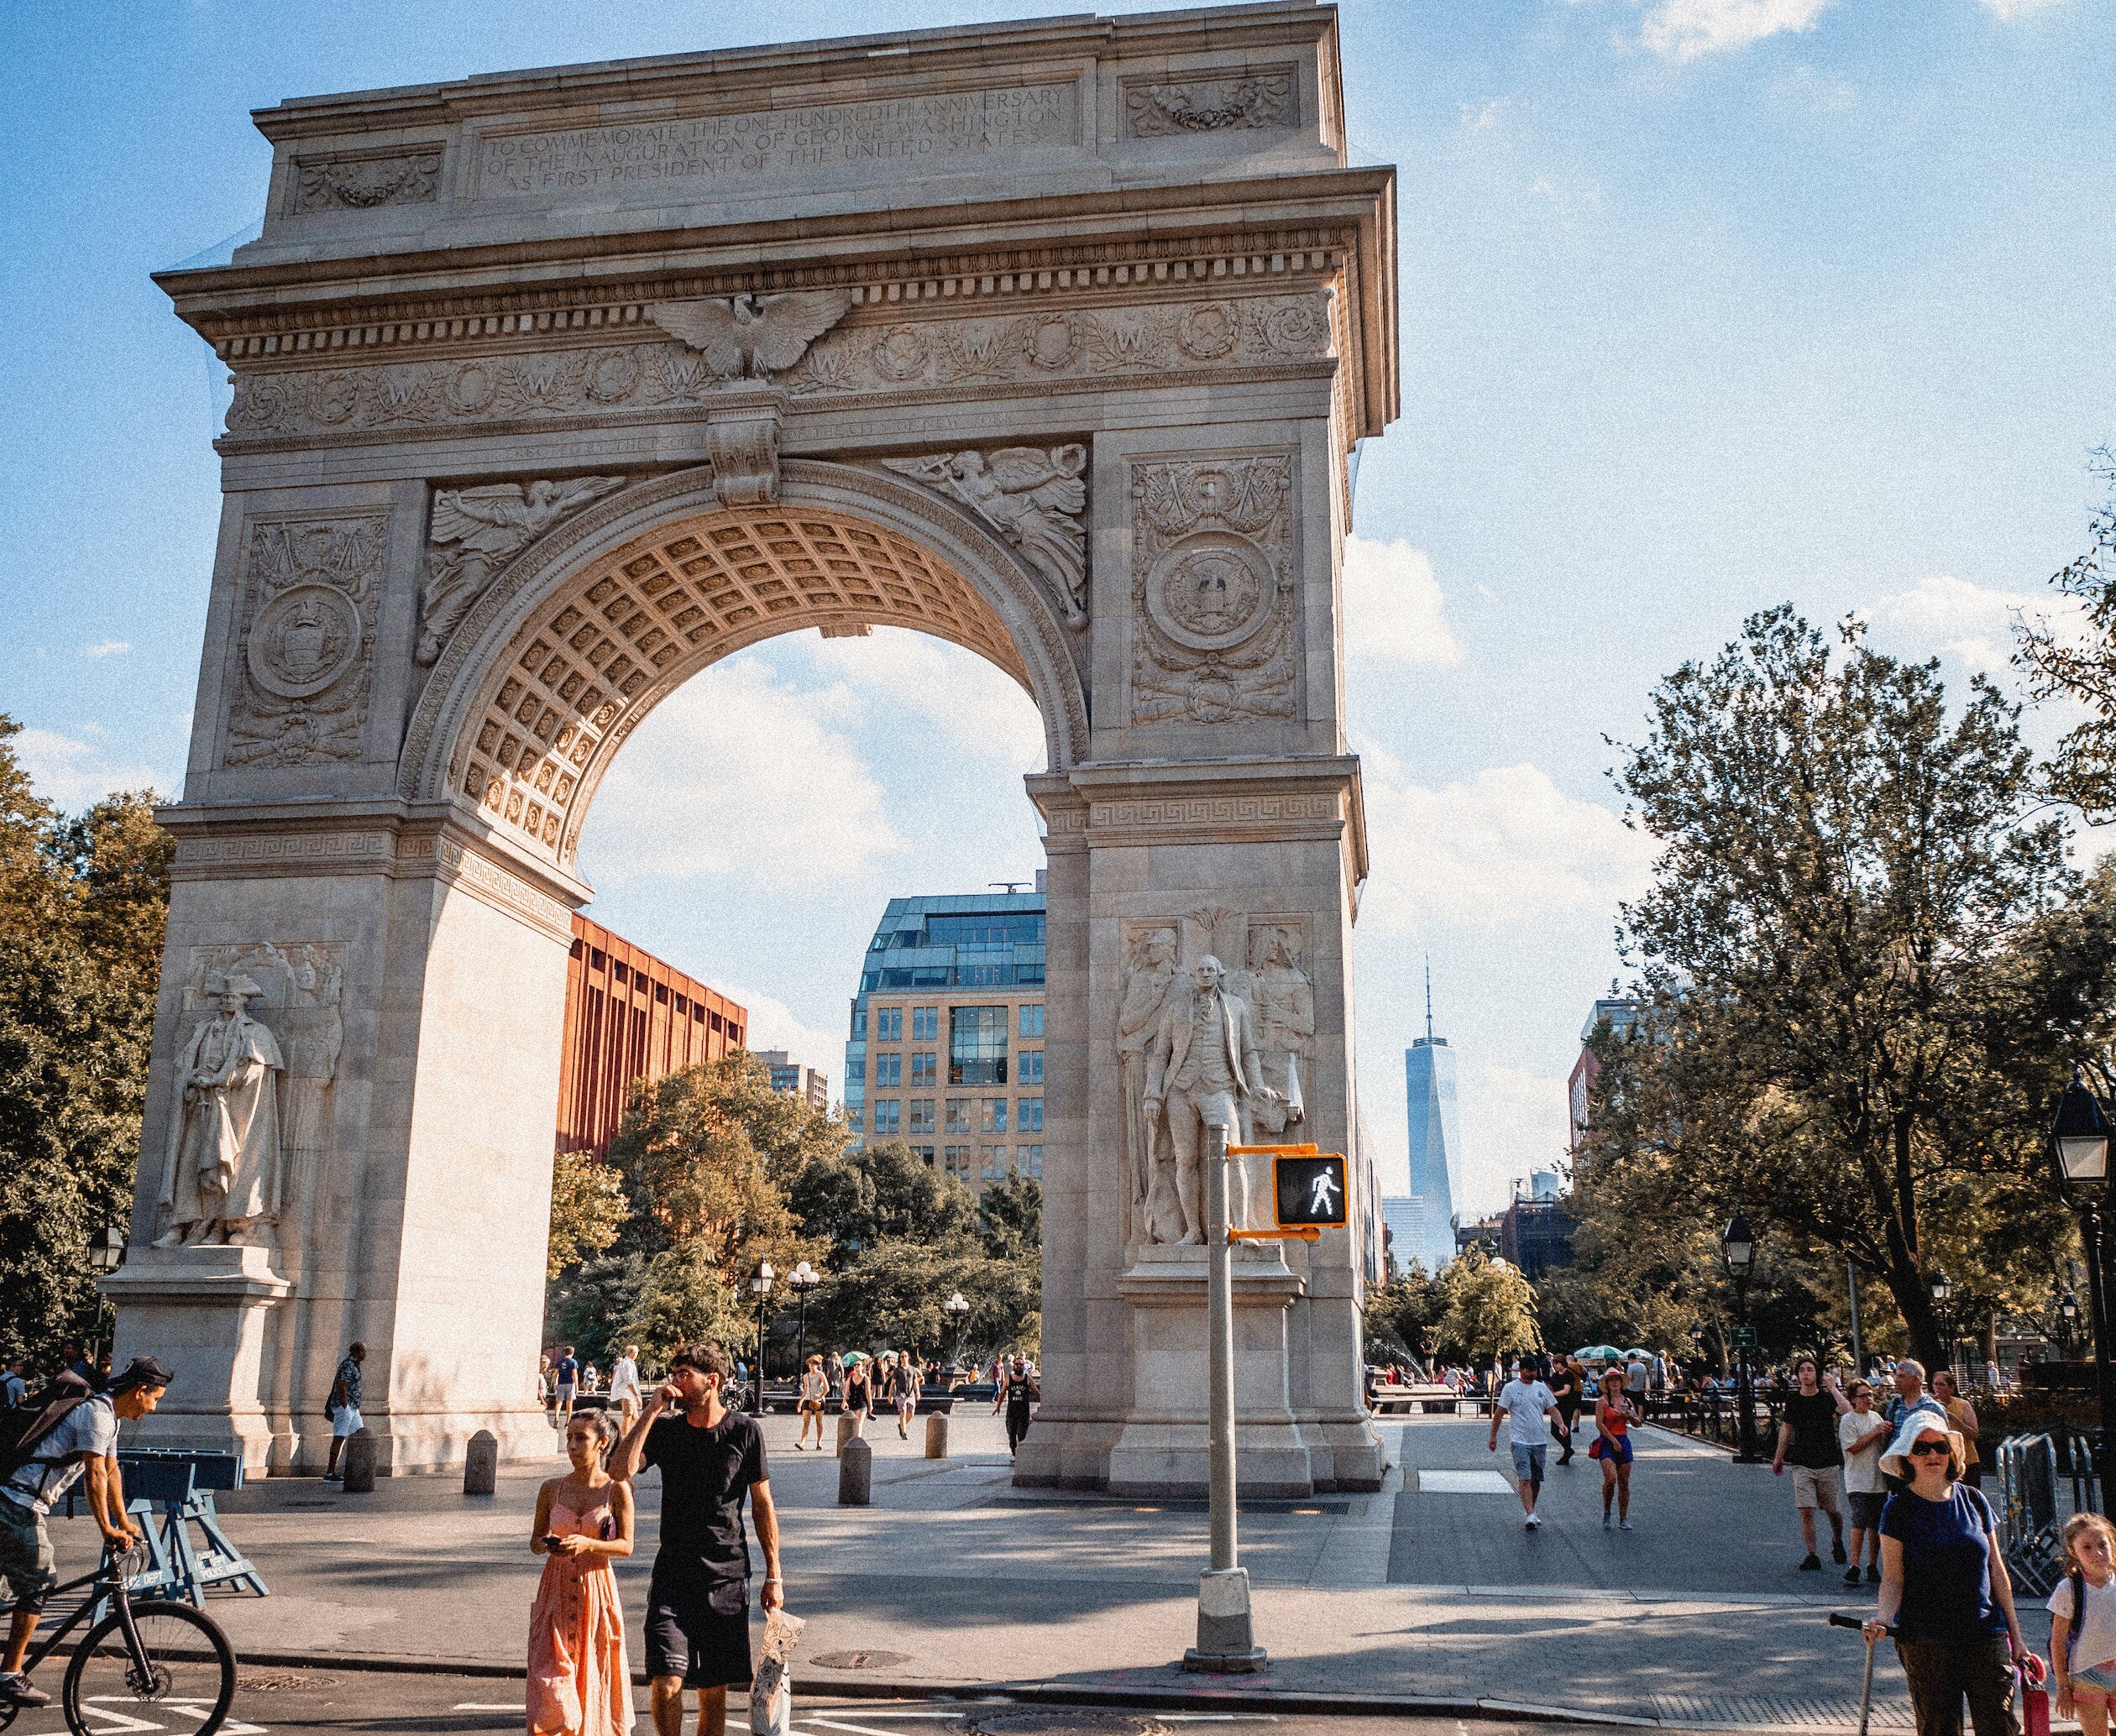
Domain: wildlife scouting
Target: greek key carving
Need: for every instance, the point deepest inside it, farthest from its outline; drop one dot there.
(1212, 104)
(362, 183)
(1212, 595)
(307, 640)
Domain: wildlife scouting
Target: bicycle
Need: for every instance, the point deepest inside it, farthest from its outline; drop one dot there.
(158, 1654)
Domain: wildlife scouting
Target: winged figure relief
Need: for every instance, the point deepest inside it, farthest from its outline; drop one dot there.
(752, 337)
(476, 531)
(1033, 496)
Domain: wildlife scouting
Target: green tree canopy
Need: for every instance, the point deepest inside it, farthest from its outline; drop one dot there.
(83, 906)
(1491, 1307)
(2061, 663)
(880, 1193)
(1858, 968)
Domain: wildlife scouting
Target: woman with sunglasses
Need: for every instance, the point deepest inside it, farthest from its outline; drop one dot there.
(1944, 1589)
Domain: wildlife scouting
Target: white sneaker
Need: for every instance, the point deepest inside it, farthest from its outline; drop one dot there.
(1624, 1526)
(1605, 1524)
(1535, 1521)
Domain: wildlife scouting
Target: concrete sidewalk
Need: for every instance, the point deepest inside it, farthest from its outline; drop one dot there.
(1417, 1594)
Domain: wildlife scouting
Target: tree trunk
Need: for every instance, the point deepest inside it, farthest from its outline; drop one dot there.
(1908, 1288)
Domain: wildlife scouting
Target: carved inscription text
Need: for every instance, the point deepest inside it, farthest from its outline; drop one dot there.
(907, 131)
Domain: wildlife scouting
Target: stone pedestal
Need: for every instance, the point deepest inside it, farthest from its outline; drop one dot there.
(1164, 1450)
(204, 1311)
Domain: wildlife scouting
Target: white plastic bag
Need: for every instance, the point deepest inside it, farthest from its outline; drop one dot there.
(771, 1688)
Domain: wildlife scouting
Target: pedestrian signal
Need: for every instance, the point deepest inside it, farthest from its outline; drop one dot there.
(1309, 1191)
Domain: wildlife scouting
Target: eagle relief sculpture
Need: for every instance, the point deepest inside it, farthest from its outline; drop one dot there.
(751, 336)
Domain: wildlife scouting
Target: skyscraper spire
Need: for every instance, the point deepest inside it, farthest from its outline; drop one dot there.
(1428, 965)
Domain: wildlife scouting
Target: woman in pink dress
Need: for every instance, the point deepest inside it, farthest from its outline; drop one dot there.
(579, 1680)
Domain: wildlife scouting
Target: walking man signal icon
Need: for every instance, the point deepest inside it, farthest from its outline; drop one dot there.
(1308, 1190)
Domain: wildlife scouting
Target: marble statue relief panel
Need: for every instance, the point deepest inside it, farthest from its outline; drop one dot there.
(311, 596)
(251, 1124)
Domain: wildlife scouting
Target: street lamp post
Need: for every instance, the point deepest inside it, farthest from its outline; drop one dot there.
(2068, 1317)
(1738, 1244)
(2079, 1144)
(1942, 1289)
(803, 1279)
(106, 1254)
(761, 1288)
(957, 1309)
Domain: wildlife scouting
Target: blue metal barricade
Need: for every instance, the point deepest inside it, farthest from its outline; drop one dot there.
(171, 1493)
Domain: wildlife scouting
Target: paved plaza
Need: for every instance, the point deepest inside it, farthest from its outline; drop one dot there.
(954, 1580)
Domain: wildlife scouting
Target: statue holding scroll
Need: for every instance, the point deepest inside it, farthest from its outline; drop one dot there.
(220, 1176)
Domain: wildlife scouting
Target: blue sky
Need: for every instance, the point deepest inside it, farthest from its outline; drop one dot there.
(1705, 304)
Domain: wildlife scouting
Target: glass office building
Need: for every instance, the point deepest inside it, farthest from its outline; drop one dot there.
(946, 1046)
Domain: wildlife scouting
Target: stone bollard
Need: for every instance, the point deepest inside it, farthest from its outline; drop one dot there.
(359, 1463)
(856, 1473)
(848, 1428)
(481, 1464)
(937, 1435)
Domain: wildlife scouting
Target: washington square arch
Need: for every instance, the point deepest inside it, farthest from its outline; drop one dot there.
(1053, 339)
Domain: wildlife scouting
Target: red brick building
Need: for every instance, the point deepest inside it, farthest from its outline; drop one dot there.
(629, 1015)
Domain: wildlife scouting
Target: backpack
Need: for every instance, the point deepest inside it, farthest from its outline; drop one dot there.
(21, 1429)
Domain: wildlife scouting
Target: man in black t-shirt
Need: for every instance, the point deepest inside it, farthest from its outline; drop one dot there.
(698, 1603)
(1808, 1441)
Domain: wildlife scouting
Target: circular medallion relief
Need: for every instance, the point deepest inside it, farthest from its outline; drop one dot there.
(1211, 591)
(304, 641)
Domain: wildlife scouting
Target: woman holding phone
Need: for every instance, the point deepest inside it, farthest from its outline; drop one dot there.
(579, 1679)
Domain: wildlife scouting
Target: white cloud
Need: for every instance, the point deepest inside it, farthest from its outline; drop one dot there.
(1507, 848)
(741, 771)
(978, 706)
(1685, 29)
(72, 774)
(1513, 1122)
(1489, 117)
(773, 1024)
(2008, 10)
(1966, 621)
(1393, 605)
(106, 648)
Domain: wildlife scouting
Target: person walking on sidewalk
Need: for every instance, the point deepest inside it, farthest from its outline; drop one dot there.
(1961, 1418)
(566, 1372)
(580, 1681)
(698, 1599)
(1566, 1376)
(1017, 1390)
(1612, 1446)
(859, 1393)
(624, 1386)
(1945, 1589)
(1860, 1431)
(904, 1392)
(1527, 1405)
(1808, 1440)
(815, 1386)
(2082, 1626)
(342, 1407)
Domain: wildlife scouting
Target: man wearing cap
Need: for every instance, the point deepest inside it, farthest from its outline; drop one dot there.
(85, 1438)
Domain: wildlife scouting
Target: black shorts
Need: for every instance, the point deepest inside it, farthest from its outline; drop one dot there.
(698, 1630)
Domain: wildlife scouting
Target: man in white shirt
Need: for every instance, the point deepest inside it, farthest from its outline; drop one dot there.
(1526, 1403)
(624, 1385)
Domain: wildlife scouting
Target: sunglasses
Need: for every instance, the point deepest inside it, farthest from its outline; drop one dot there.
(1923, 1448)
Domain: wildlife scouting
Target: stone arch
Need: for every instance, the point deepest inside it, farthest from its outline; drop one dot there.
(573, 645)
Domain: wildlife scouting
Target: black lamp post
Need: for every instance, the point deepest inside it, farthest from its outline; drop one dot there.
(761, 1288)
(958, 1309)
(2079, 1144)
(1942, 1289)
(2068, 1322)
(106, 1254)
(1737, 1242)
(803, 1279)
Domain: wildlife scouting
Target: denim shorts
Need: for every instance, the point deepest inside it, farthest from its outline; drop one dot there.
(1528, 1461)
(26, 1561)
(2100, 1676)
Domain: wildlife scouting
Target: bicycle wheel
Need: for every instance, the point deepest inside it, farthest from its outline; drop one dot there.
(184, 1689)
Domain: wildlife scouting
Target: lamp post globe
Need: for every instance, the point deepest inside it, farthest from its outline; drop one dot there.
(761, 1288)
(1942, 1290)
(2079, 1154)
(106, 1254)
(803, 1279)
(957, 1309)
(1738, 1245)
